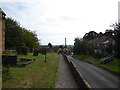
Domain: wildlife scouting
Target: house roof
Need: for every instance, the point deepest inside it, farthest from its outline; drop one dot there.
(103, 39)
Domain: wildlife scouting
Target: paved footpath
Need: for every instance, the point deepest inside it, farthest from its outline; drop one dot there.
(65, 77)
(95, 76)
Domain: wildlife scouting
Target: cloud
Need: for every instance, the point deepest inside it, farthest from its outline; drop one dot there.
(67, 18)
(54, 20)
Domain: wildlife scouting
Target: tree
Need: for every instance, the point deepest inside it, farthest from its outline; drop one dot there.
(80, 46)
(117, 38)
(61, 46)
(91, 35)
(16, 36)
(30, 39)
(13, 34)
(49, 45)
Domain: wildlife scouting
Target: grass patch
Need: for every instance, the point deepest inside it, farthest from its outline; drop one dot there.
(111, 66)
(38, 74)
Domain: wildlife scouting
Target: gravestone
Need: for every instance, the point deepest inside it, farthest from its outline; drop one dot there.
(9, 60)
(107, 59)
(36, 52)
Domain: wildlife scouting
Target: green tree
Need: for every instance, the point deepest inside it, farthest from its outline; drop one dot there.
(117, 38)
(49, 45)
(80, 46)
(30, 39)
(91, 35)
(13, 34)
(16, 36)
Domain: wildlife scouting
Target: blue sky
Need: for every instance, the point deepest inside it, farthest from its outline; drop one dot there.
(54, 20)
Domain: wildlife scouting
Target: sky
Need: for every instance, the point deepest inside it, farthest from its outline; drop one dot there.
(55, 20)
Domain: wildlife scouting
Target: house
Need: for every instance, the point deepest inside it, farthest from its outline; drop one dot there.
(102, 44)
(2, 31)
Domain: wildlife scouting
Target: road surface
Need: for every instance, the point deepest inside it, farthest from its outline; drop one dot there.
(94, 76)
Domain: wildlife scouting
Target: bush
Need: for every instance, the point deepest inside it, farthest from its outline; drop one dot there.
(22, 50)
(98, 55)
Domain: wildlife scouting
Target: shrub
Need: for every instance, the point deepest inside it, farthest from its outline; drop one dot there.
(22, 50)
(97, 55)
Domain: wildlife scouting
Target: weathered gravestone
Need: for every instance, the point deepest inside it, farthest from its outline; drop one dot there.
(9, 60)
(107, 59)
(35, 52)
(22, 50)
(23, 61)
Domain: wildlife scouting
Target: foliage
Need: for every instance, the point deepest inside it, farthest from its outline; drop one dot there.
(22, 50)
(16, 36)
(49, 45)
(112, 66)
(91, 35)
(30, 39)
(61, 46)
(80, 46)
(117, 39)
(98, 55)
(13, 34)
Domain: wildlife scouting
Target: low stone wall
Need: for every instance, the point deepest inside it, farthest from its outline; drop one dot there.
(76, 74)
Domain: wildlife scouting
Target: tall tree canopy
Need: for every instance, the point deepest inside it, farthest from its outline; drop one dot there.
(117, 38)
(16, 36)
(91, 35)
(13, 34)
(50, 45)
(79, 46)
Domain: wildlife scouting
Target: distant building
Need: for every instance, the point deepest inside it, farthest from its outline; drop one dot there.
(103, 44)
(2, 31)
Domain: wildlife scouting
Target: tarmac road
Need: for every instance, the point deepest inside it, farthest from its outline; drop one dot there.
(94, 76)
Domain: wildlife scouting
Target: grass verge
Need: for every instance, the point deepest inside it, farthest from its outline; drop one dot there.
(38, 74)
(112, 66)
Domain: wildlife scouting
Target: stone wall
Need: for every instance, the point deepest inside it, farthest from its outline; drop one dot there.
(2, 35)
